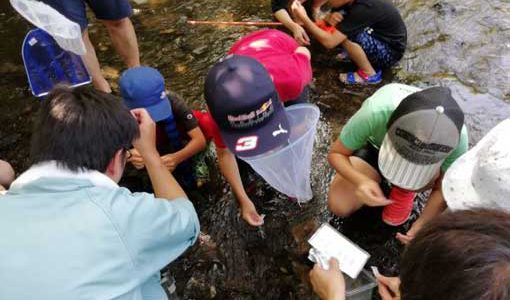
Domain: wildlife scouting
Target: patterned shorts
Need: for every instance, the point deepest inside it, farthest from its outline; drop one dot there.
(379, 53)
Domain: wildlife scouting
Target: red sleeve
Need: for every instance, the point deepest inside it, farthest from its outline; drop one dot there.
(209, 128)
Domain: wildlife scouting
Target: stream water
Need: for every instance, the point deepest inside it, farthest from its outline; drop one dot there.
(463, 44)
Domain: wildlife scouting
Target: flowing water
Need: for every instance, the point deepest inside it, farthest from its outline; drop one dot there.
(464, 44)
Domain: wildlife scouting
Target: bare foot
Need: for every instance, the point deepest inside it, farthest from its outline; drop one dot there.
(250, 214)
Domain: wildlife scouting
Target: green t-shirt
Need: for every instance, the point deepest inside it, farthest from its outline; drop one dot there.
(369, 123)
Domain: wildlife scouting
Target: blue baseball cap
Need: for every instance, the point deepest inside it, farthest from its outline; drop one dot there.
(244, 103)
(144, 87)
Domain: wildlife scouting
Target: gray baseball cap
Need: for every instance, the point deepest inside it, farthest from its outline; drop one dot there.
(422, 131)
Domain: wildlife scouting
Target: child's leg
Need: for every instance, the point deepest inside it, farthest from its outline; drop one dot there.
(358, 56)
(371, 55)
(342, 200)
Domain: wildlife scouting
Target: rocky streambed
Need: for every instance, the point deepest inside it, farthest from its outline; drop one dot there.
(461, 44)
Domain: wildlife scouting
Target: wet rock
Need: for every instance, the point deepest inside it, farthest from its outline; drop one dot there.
(461, 44)
(466, 40)
(200, 50)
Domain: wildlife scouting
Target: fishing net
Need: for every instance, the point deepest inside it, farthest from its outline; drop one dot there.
(288, 169)
(46, 64)
(65, 32)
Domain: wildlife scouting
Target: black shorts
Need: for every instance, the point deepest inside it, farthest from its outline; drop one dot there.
(370, 155)
(76, 11)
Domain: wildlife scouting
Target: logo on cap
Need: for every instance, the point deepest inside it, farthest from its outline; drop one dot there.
(280, 130)
(418, 151)
(247, 143)
(252, 118)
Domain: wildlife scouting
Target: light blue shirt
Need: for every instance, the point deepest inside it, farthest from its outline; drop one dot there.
(72, 236)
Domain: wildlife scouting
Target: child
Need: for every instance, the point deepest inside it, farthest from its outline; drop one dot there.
(287, 63)
(280, 10)
(401, 136)
(245, 111)
(371, 32)
(178, 136)
(272, 54)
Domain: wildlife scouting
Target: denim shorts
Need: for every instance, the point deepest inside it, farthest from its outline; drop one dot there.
(379, 53)
(76, 11)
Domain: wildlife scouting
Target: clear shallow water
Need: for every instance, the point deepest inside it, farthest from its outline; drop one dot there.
(461, 44)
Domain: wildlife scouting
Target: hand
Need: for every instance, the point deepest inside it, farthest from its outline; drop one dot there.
(146, 143)
(249, 213)
(389, 287)
(411, 233)
(170, 161)
(300, 35)
(298, 10)
(369, 192)
(328, 284)
(136, 159)
(334, 18)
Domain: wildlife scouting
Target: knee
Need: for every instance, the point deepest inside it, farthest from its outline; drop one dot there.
(7, 174)
(339, 204)
(335, 207)
(116, 24)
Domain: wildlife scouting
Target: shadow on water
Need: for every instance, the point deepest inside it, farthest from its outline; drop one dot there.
(461, 44)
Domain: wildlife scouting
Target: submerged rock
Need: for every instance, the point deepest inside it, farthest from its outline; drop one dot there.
(463, 44)
(460, 44)
(467, 40)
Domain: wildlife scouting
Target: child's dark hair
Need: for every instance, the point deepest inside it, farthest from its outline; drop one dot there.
(459, 255)
(81, 128)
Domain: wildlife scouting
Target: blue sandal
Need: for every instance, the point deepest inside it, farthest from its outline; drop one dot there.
(374, 79)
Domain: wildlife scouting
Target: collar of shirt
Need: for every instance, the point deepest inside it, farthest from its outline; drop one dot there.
(50, 169)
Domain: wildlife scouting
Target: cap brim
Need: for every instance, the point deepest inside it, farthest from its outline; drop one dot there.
(252, 142)
(403, 173)
(458, 190)
(160, 111)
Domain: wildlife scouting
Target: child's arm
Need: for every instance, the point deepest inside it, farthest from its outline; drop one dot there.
(230, 170)
(433, 208)
(196, 144)
(328, 40)
(297, 31)
(316, 7)
(367, 190)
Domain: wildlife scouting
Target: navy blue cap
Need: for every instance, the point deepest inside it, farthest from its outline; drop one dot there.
(244, 103)
(144, 87)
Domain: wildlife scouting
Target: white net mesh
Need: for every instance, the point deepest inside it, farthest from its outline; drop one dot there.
(67, 34)
(288, 169)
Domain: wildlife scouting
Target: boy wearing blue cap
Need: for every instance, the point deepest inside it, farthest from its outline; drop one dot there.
(178, 136)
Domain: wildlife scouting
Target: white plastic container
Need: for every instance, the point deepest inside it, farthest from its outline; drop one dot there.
(360, 288)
